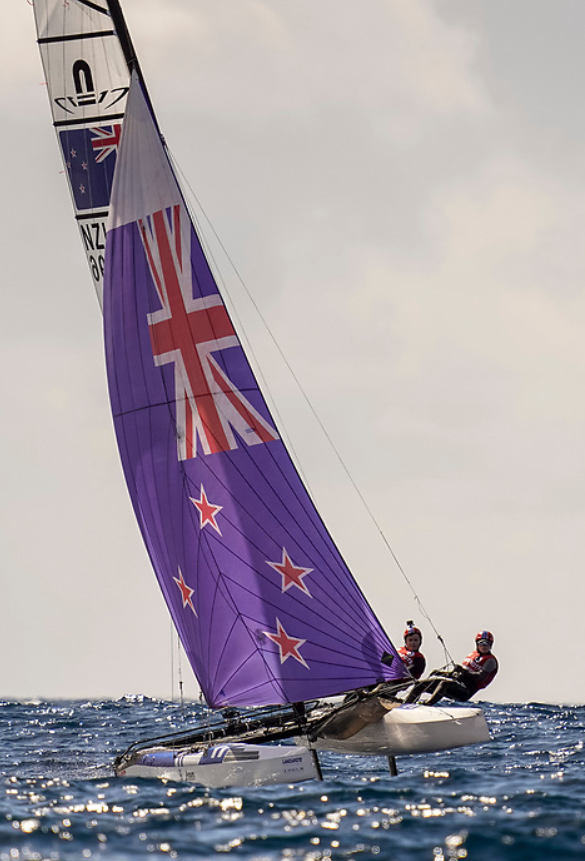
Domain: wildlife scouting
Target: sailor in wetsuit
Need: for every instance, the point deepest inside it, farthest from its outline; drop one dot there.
(410, 653)
(475, 673)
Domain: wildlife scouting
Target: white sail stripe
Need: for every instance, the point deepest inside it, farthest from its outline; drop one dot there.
(181, 266)
(230, 412)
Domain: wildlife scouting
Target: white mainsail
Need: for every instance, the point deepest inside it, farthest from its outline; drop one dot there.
(87, 79)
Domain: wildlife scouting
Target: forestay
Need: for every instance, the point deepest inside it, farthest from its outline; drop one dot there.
(265, 606)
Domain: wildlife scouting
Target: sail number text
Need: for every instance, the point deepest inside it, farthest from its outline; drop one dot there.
(93, 235)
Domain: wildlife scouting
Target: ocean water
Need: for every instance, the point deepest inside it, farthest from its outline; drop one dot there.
(519, 797)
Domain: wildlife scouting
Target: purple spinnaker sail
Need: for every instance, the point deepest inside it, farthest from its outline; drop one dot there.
(265, 606)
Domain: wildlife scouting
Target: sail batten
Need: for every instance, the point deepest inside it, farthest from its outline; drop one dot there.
(98, 34)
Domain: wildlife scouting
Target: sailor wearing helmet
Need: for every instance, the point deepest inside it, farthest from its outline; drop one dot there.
(410, 652)
(475, 673)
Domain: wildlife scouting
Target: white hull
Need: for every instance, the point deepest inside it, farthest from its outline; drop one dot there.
(226, 765)
(413, 729)
(403, 730)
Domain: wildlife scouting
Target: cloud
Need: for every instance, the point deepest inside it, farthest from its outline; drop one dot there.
(399, 62)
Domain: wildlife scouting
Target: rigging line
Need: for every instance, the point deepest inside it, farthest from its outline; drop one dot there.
(273, 407)
(172, 663)
(367, 508)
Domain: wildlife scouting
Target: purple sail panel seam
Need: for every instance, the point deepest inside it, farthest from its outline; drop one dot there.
(301, 602)
(271, 681)
(343, 650)
(358, 620)
(349, 585)
(238, 618)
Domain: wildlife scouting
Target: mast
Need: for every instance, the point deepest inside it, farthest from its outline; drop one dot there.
(127, 46)
(124, 37)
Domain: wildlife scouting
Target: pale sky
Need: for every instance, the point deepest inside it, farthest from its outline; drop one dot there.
(401, 185)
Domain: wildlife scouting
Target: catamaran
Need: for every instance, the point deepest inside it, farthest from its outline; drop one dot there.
(281, 639)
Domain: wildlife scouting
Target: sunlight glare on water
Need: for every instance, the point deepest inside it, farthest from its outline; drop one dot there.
(518, 797)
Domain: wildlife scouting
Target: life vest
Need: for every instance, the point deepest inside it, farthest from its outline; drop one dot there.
(415, 661)
(475, 663)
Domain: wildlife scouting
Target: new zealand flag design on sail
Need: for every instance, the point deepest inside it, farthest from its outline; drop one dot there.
(90, 159)
(264, 604)
(187, 332)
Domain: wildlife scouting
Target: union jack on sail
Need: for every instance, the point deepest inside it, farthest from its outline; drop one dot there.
(265, 605)
(187, 332)
(105, 140)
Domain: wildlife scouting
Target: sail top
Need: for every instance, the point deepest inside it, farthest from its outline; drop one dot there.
(141, 156)
(87, 82)
(56, 19)
(265, 606)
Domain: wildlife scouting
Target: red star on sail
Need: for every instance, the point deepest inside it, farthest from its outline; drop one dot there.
(186, 591)
(288, 646)
(292, 575)
(207, 511)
